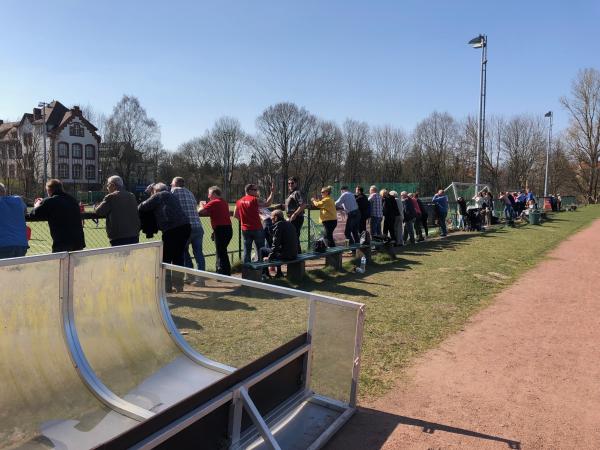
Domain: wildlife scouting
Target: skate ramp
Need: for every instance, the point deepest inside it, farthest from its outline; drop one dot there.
(41, 391)
(90, 357)
(85, 349)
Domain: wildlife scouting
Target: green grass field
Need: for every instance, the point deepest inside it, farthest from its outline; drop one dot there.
(413, 301)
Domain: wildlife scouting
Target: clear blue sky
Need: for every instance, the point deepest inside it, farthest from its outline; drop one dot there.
(385, 62)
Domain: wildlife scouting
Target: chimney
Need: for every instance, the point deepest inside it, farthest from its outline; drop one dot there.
(76, 107)
(37, 113)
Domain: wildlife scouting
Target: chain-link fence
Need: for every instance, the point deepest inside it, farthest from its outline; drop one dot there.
(94, 230)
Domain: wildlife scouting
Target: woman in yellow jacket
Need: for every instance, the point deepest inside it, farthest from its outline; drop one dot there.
(327, 214)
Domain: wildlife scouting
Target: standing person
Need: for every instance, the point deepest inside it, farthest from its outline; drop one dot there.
(121, 211)
(294, 207)
(189, 206)
(441, 200)
(390, 212)
(508, 208)
(327, 214)
(247, 212)
(175, 227)
(347, 202)
(409, 217)
(218, 211)
(424, 214)
(81, 211)
(376, 211)
(63, 216)
(417, 222)
(399, 219)
(462, 213)
(13, 235)
(364, 207)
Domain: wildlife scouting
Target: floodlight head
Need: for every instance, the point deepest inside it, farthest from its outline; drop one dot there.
(478, 42)
(548, 114)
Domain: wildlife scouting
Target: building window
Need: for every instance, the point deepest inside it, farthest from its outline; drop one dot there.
(77, 151)
(90, 172)
(63, 171)
(12, 173)
(76, 130)
(11, 152)
(77, 171)
(63, 150)
(90, 152)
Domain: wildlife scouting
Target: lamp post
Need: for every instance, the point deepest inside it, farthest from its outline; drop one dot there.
(549, 115)
(480, 42)
(43, 106)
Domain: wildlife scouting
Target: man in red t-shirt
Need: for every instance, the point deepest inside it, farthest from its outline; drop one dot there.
(247, 212)
(218, 211)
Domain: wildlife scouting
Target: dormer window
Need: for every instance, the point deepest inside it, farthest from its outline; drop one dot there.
(76, 130)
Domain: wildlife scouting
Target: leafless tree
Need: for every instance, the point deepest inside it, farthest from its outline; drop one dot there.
(131, 135)
(227, 142)
(436, 140)
(583, 133)
(524, 145)
(358, 161)
(390, 147)
(283, 129)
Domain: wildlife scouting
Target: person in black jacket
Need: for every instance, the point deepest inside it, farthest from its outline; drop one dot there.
(364, 208)
(285, 241)
(63, 216)
(409, 217)
(424, 214)
(390, 212)
(175, 227)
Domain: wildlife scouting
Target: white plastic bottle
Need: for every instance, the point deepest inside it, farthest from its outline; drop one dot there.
(363, 264)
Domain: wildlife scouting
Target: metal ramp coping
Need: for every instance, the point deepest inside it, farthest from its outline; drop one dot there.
(90, 357)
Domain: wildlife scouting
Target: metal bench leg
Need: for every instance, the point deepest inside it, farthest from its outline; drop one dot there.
(251, 274)
(295, 271)
(334, 261)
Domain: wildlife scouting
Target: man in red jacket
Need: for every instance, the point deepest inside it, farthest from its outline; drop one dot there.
(247, 212)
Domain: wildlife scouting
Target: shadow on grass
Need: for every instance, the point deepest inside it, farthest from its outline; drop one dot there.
(213, 302)
(380, 425)
(183, 323)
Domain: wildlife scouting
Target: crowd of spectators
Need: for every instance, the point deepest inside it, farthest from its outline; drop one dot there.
(273, 231)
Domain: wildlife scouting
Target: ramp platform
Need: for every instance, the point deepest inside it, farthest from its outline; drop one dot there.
(90, 357)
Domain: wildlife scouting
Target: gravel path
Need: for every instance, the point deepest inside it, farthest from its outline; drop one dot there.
(524, 373)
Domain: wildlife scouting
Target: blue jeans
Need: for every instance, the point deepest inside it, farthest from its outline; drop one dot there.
(256, 237)
(12, 251)
(375, 226)
(442, 219)
(195, 241)
(509, 213)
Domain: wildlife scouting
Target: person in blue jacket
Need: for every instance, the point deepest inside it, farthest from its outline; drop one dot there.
(13, 237)
(441, 200)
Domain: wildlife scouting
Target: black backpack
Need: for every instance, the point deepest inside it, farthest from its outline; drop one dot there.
(320, 246)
